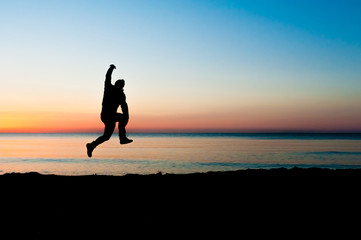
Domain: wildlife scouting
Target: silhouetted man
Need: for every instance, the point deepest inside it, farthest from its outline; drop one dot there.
(112, 98)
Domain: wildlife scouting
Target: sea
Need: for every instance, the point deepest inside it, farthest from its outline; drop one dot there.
(151, 153)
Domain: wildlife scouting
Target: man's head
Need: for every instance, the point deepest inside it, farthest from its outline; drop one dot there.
(119, 84)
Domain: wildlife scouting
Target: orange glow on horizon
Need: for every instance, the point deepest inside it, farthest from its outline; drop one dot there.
(253, 122)
(48, 122)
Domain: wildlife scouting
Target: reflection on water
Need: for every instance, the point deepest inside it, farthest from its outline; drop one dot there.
(169, 153)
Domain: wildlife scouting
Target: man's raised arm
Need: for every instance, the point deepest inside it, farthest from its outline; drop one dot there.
(108, 76)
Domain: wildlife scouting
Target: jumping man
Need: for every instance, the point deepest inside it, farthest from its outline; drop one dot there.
(112, 98)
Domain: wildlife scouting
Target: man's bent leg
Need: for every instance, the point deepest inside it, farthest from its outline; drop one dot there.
(122, 122)
(108, 131)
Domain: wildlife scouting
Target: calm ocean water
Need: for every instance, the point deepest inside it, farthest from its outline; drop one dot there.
(176, 153)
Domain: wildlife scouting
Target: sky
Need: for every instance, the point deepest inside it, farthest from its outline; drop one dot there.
(229, 66)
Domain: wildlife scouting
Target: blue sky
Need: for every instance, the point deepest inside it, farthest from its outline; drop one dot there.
(242, 65)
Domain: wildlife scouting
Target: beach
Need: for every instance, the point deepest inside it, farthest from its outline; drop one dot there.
(222, 203)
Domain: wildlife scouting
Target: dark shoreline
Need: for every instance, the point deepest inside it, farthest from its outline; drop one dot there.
(147, 205)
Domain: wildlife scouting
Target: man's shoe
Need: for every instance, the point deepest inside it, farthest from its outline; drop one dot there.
(89, 149)
(125, 141)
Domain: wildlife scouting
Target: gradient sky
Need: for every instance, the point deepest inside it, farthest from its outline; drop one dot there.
(188, 65)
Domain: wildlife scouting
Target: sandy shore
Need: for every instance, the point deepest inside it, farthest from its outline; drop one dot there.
(208, 204)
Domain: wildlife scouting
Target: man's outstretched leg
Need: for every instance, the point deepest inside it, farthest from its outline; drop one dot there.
(108, 131)
(123, 120)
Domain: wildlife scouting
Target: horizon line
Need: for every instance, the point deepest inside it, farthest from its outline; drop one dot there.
(219, 131)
